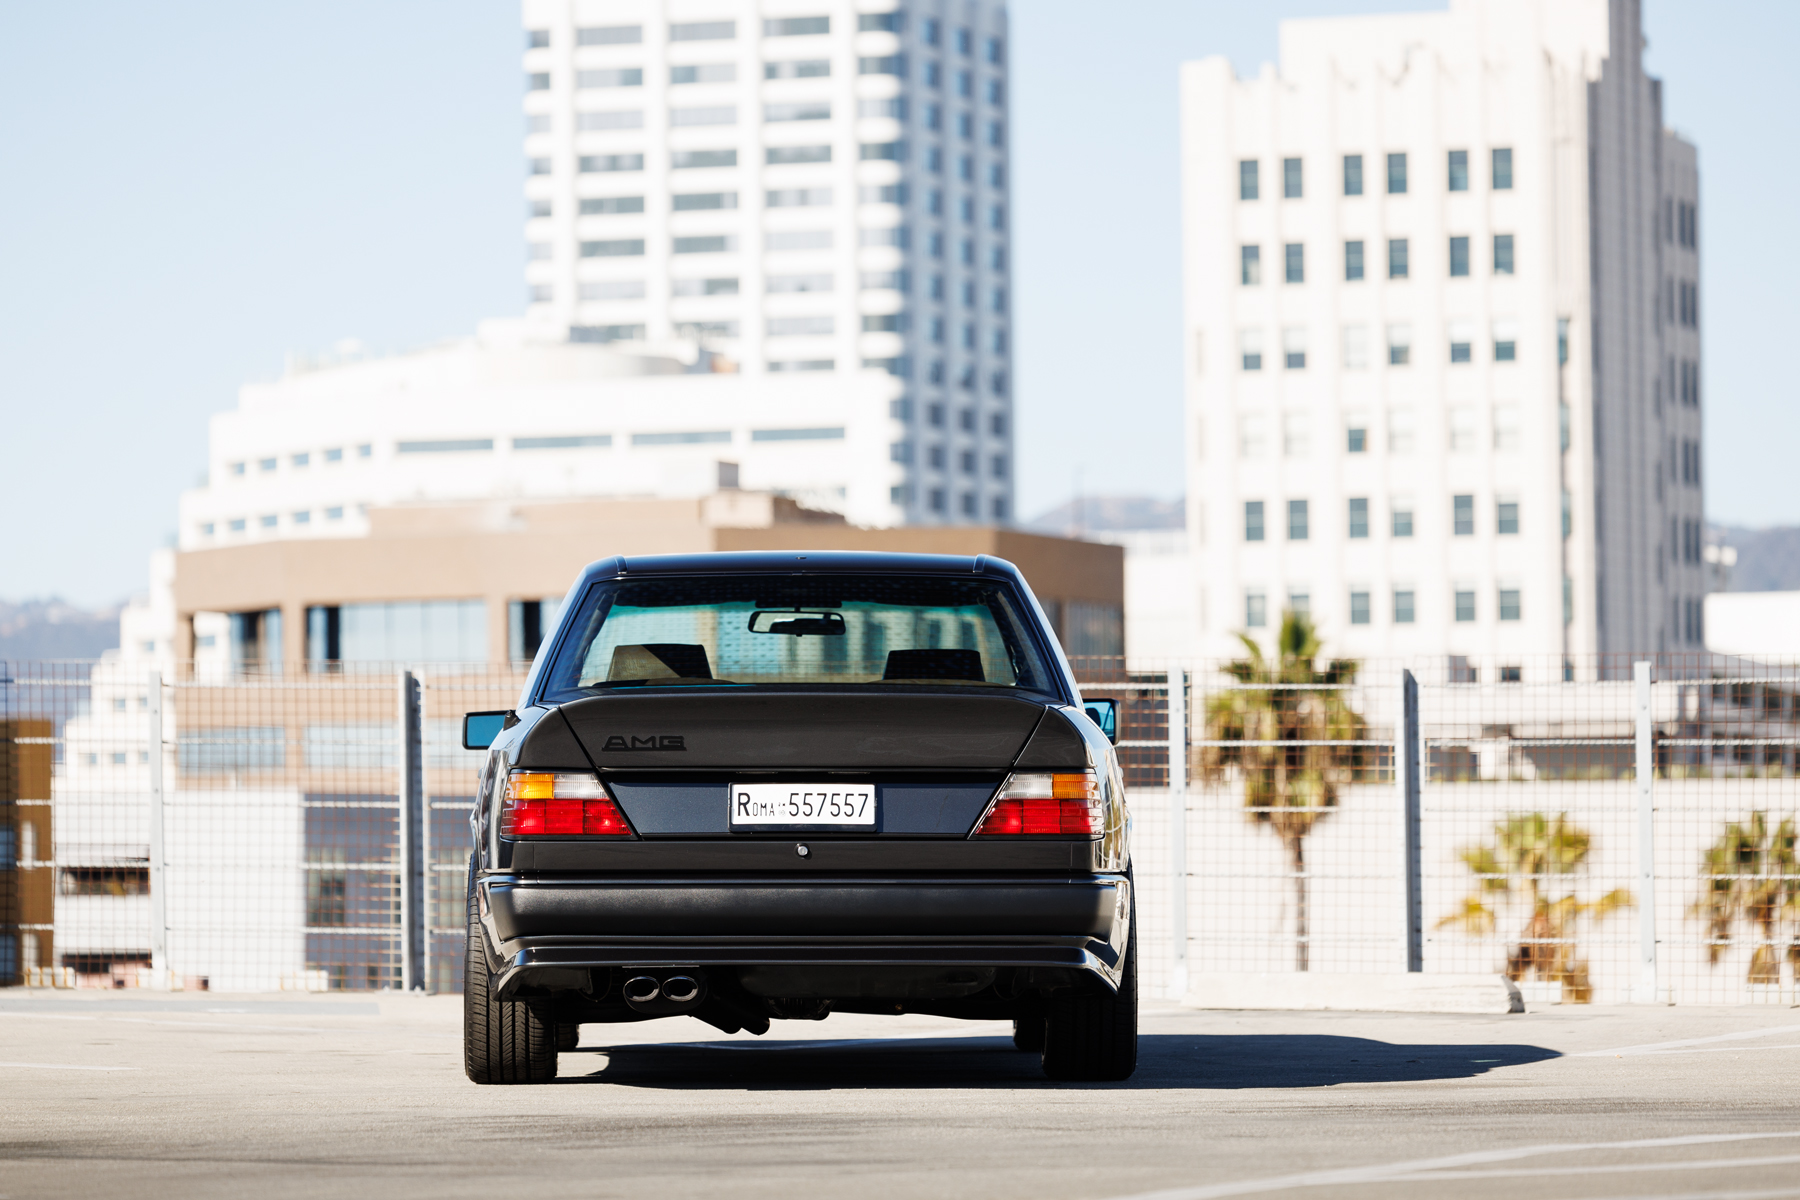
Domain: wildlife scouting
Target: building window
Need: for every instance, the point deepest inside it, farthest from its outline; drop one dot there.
(302, 459)
(935, 500)
(1294, 255)
(1253, 520)
(1297, 524)
(1356, 347)
(1353, 181)
(796, 26)
(267, 521)
(702, 73)
(1402, 510)
(1353, 261)
(800, 68)
(1459, 170)
(1398, 259)
(1359, 517)
(776, 156)
(1503, 254)
(1400, 431)
(1512, 674)
(302, 516)
(1293, 347)
(1506, 516)
(1292, 181)
(1256, 610)
(1503, 173)
(1506, 341)
(236, 524)
(1299, 602)
(1250, 260)
(1462, 341)
(1459, 257)
(1509, 604)
(1403, 607)
(700, 201)
(1462, 429)
(1359, 608)
(1247, 180)
(683, 160)
(1356, 430)
(1465, 605)
(610, 78)
(703, 31)
(609, 206)
(1253, 438)
(1396, 175)
(1250, 348)
(1296, 434)
(335, 513)
(1506, 427)
(1399, 339)
(1462, 515)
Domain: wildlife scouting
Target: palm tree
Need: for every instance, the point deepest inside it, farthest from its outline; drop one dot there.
(1277, 732)
(1528, 850)
(1752, 875)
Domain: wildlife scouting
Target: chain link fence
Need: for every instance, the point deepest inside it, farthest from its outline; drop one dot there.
(1600, 831)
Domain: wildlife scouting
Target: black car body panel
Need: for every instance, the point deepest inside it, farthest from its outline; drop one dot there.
(895, 905)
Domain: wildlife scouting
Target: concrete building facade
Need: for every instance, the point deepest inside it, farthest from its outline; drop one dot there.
(812, 189)
(1443, 339)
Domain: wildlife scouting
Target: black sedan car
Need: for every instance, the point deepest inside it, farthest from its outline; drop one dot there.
(773, 786)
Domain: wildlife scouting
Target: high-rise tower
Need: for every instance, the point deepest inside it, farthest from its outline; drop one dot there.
(805, 187)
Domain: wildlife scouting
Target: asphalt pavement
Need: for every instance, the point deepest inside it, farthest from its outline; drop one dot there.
(131, 1094)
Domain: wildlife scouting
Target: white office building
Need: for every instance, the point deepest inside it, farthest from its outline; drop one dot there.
(811, 189)
(1443, 352)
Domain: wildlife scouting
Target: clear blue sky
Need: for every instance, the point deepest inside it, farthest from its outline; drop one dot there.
(193, 189)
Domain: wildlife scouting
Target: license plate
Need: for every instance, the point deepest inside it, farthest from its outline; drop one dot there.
(802, 805)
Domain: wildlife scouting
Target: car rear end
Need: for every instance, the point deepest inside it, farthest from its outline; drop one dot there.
(755, 787)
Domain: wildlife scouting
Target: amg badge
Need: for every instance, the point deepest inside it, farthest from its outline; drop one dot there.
(656, 741)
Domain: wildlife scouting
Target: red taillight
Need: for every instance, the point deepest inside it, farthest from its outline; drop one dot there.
(1063, 804)
(564, 804)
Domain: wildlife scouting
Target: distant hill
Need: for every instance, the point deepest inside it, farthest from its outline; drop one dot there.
(1111, 514)
(35, 629)
(1768, 560)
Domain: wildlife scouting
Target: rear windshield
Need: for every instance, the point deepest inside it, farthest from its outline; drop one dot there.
(750, 630)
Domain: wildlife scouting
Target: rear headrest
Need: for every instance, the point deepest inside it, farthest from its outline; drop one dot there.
(659, 660)
(934, 664)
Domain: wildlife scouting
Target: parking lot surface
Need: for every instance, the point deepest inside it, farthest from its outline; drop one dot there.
(209, 1095)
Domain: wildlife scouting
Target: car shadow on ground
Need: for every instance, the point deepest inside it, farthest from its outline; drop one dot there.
(1205, 1061)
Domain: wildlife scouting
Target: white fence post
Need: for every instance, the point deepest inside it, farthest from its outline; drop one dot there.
(1178, 782)
(159, 895)
(1646, 991)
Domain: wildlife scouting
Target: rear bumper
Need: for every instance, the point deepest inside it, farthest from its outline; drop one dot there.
(550, 928)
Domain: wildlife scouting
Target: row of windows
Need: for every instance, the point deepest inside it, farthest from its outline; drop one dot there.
(931, 33)
(299, 517)
(684, 160)
(594, 79)
(1354, 343)
(1401, 514)
(1399, 260)
(727, 285)
(1508, 606)
(1456, 175)
(299, 460)
(965, 125)
(1687, 377)
(885, 193)
(1684, 303)
(937, 500)
(898, 236)
(1460, 427)
(1688, 534)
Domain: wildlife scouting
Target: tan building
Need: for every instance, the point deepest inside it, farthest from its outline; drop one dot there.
(480, 582)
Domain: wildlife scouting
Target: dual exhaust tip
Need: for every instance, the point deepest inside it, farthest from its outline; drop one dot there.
(667, 993)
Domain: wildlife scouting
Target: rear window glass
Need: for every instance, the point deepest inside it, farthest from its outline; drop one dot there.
(755, 630)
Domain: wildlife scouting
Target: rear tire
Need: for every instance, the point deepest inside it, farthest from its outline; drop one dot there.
(1093, 1038)
(504, 1041)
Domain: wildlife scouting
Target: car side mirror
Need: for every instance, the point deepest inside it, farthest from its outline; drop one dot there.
(481, 729)
(1105, 714)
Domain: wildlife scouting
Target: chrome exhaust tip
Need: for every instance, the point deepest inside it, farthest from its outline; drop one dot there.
(681, 988)
(641, 989)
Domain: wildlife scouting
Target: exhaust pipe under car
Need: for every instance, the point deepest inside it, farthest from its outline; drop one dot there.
(682, 989)
(642, 989)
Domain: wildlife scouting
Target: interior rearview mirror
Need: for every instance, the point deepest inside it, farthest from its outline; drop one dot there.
(481, 728)
(1105, 714)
